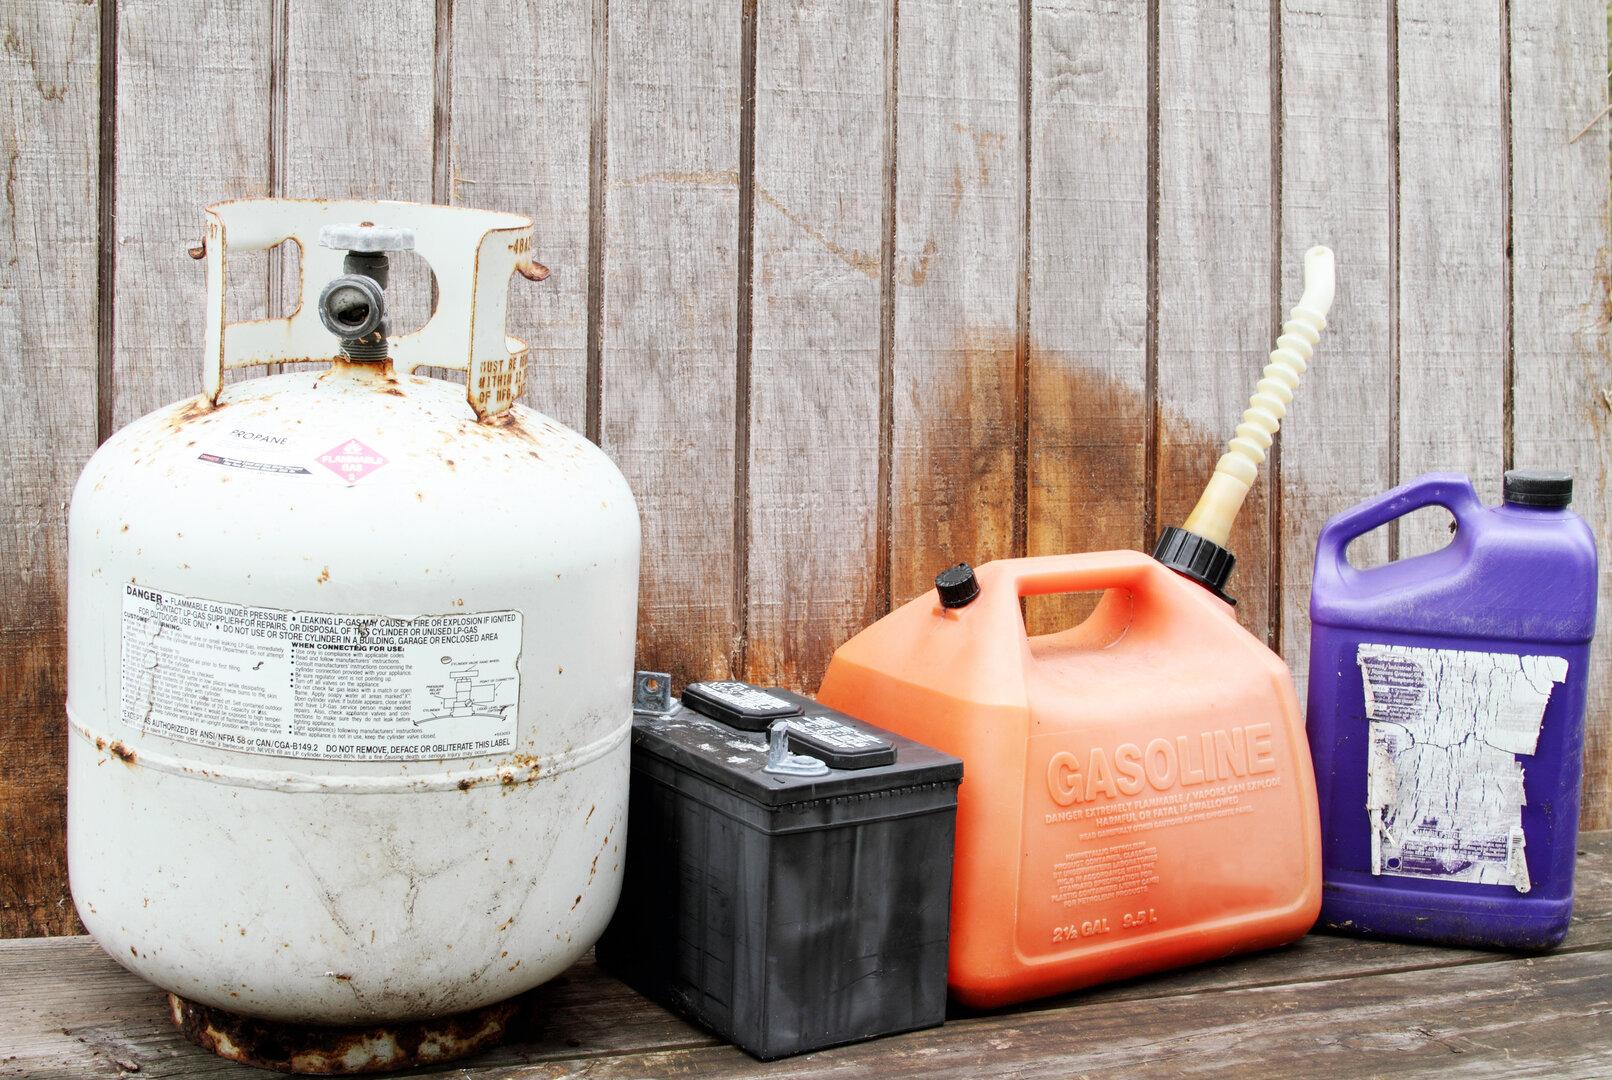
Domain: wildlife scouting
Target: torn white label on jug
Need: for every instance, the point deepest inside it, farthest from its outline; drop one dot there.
(1444, 784)
(310, 684)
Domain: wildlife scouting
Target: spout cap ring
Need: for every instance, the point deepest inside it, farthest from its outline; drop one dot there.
(1196, 559)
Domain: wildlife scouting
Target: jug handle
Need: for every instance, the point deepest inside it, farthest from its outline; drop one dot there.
(1453, 491)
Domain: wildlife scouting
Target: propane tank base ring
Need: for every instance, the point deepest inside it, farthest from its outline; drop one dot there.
(524, 769)
(334, 1051)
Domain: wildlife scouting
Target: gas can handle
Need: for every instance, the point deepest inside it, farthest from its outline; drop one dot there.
(1052, 574)
(1453, 491)
(1144, 580)
(472, 252)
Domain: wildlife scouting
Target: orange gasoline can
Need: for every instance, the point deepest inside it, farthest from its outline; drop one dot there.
(1137, 793)
(1137, 790)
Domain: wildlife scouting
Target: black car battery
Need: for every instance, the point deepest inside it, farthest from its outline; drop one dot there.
(789, 868)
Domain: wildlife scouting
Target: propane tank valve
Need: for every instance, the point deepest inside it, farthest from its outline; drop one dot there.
(353, 305)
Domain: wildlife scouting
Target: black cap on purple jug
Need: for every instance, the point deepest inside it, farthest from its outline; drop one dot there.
(1538, 487)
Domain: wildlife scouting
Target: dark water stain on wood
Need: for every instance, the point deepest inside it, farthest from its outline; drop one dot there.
(953, 473)
(1085, 460)
(954, 454)
(33, 776)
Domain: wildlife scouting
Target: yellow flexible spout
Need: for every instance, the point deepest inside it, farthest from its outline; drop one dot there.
(1234, 473)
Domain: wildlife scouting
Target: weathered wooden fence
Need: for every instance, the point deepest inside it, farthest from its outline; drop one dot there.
(851, 289)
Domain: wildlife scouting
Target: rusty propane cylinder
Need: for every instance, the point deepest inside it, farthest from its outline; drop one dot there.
(350, 653)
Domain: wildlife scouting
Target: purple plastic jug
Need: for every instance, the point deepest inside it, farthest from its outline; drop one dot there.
(1446, 716)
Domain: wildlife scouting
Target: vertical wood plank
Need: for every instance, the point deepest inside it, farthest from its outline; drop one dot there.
(814, 439)
(1215, 314)
(1452, 295)
(359, 118)
(1562, 294)
(959, 243)
(1337, 189)
(49, 79)
(669, 338)
(1088, 282)
(192, 129)
(521, 94)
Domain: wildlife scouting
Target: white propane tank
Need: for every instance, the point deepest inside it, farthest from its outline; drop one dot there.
(350, 657)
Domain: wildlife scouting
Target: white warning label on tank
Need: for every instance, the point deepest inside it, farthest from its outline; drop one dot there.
(309, 684)
(1444, 788)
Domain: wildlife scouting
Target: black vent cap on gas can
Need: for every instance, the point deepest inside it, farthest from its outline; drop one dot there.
(1538, 487)
(957, 586)
(1196, 559)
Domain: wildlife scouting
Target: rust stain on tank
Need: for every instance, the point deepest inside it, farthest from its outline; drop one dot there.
(194, 409)
(506, 421)
(121, 752)
(507, 774)
(330, 1051)
(324, 576)
(594, 868)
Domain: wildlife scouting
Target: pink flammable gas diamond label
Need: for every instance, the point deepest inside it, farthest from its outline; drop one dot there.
(351, 460)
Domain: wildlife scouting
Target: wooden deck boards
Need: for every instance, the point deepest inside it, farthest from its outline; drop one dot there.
(1326, 1005)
